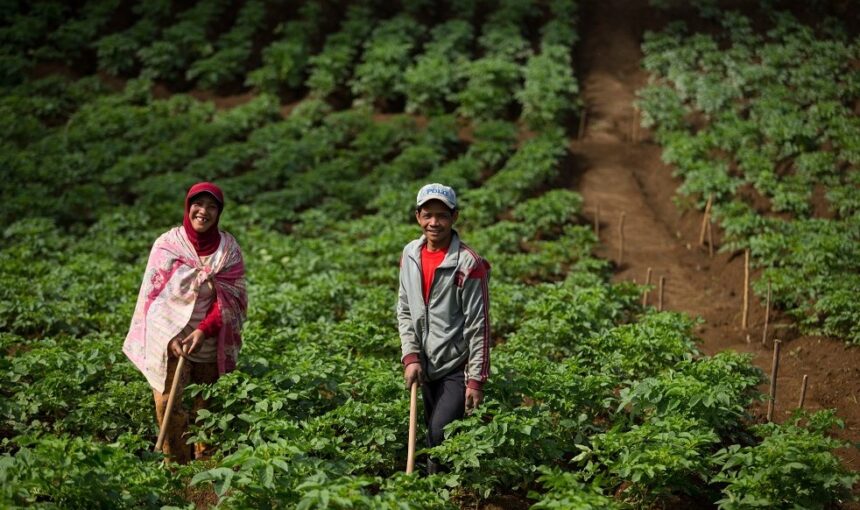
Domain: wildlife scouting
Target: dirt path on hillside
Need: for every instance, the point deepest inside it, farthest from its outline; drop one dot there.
(625, 176)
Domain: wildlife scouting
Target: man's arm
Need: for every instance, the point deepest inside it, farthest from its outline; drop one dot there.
(409, 347)
(476, 308)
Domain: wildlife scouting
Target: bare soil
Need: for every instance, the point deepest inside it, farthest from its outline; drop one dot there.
(623, 175)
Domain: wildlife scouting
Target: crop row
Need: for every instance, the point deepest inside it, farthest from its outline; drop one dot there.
(777, 149)
(106, 146)
(499, 69)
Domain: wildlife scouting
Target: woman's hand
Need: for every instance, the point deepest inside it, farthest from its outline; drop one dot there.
(174, 348)
(192, 342)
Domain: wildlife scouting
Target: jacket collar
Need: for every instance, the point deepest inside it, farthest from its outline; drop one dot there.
(451, 258)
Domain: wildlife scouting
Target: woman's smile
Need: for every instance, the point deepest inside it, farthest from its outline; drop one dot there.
(203, 212)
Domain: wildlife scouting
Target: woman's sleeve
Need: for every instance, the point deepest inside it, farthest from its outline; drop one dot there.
(211, 324)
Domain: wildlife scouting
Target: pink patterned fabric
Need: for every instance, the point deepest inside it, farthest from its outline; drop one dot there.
(165, 303)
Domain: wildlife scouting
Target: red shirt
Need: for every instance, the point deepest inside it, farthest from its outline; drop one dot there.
(211, 324)
(430, 260)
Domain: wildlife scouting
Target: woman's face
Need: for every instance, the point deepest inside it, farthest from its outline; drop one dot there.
(203, 213)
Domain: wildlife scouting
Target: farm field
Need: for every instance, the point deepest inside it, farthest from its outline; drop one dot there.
(320, 120)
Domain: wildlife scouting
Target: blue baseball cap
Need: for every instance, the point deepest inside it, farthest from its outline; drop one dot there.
(437, 191)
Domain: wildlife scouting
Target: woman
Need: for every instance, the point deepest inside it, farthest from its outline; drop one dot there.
(192, 303)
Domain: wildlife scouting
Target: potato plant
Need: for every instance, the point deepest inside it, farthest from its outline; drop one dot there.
(332, 67)
(431, 83)
(286, 60)
(117, 52)
(182, 43)
(379, 75)
(68, 41)
(232, 49)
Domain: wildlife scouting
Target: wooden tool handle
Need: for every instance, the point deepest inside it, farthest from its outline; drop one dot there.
(413, 425)
(177, 374)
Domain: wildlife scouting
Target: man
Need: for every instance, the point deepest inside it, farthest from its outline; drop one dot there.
(443, 315)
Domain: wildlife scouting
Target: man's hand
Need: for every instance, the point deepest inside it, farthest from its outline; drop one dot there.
(413, 373)
(192, 342)
(473, 399)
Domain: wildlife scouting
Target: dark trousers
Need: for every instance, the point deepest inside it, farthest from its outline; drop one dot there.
(444, 402)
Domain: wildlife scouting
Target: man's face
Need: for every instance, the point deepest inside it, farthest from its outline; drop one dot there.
(436, 221)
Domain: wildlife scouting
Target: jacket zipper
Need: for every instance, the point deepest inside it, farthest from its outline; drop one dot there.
(427, 306)
(427, 303)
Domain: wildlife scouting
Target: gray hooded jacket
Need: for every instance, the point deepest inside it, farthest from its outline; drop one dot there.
(453, 328)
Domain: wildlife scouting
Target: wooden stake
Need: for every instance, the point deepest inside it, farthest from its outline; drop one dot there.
(766, 316)
(621, 239)
(660, 294)
(746, 312)
(413, 425)
(634, 124)
(597, 221)
(803, 391)
(165, 422)
(647, 283)
(582, 123)
(774, 371)
(705, 220)
(710, 240)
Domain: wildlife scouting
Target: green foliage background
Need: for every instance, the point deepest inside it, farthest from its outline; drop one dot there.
(593, 401)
